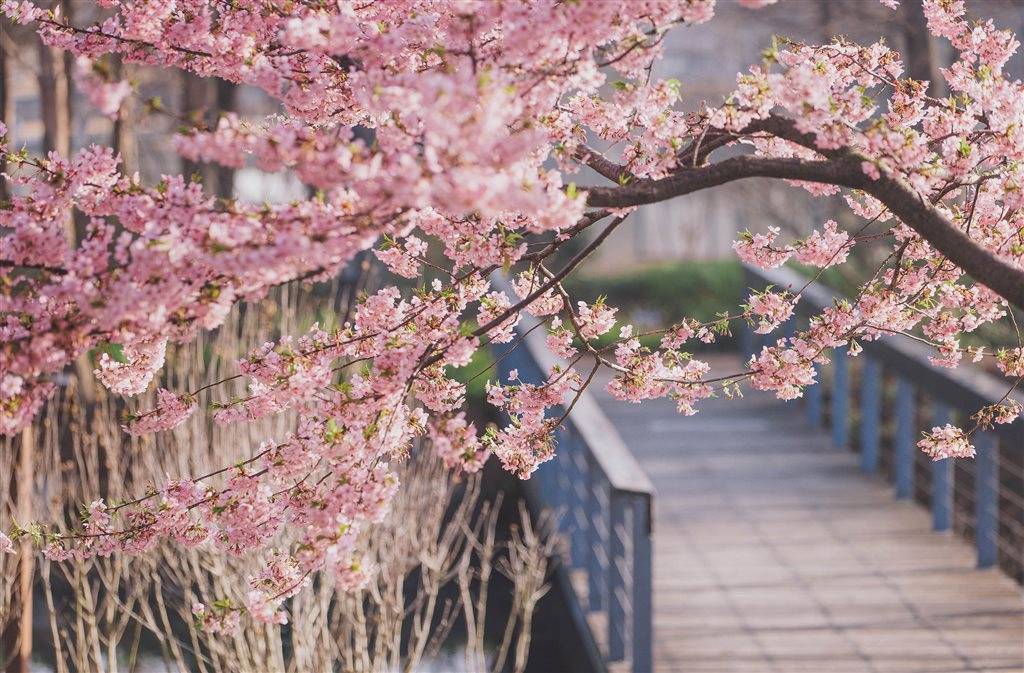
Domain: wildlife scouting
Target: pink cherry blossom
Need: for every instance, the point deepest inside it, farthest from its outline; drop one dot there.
(480, 121)
(106, 94)
(947, 441)
(771, 308)
(223, 620)
(172, 410)
(760, 249)
(824, 248)
(595, 319)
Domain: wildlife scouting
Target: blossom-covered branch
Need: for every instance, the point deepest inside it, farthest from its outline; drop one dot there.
(446, 137)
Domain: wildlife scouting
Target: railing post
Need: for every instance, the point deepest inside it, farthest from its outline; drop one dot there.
(576, 497)
(597, 563)
(604, 500)
(643, 632)
(618, 577)
(814, 399)
(906, 430)
(942, 479)
(789, 327)
(870, 413)
(986, 499)
(746, 341)
(558, 496)
(840, 397)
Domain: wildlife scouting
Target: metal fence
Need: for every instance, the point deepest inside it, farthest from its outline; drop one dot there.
(879, 402)
(604, 501)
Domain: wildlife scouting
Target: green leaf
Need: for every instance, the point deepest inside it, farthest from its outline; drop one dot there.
(333, 433)
(115, 352)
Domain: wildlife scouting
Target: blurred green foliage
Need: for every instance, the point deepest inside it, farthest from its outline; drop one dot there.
(476, 374)
(656, 296)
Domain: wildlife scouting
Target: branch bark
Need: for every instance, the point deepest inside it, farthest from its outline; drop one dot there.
(841, 168)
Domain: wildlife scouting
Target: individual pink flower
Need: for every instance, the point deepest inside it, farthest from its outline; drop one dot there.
(221, 620)
(546, 304)
(456, 442)
(353, 575)
(103, 91)
(403, 258)
(782, 370)
(58, 551)
(493, 306)
(680, 333)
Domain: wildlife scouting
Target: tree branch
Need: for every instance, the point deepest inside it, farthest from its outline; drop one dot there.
(603, 167)
(842, 169)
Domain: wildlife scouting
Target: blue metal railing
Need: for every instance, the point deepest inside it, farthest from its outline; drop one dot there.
(605, 502)
(899, 393)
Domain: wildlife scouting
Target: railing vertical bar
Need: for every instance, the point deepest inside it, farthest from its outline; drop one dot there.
(815, 395)
(789, 327)
(942, 479)
(617, 579)
(597, 563)
(746, 341)
(559, 496)
(840, 397)
(643, 634)
(577, 499)
(986, 499)
(870, 414)
(906, 429)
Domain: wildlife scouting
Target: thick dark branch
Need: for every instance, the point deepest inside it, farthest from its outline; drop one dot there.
(931, 223)
(784, 128)
(603, 167)
(691, 180)
(844, 170)
(698, 151)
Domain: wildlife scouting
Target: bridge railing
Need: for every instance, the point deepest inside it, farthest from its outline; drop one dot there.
(879, 402)
(604, 504)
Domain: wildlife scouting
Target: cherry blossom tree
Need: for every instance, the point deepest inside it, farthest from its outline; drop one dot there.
(480, 114)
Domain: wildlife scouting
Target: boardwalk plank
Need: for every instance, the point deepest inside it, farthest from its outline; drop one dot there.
(774, 553)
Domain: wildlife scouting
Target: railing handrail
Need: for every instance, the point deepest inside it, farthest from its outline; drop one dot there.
(616, 461)
(605, 503)
(964, 386)
(979, 498)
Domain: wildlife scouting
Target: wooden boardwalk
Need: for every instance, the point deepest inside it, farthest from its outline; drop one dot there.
(774, 553)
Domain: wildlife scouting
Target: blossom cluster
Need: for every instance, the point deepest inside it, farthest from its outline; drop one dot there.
(444, 140)
(947, 441)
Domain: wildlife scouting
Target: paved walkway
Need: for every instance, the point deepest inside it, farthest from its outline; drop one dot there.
(774, 553)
